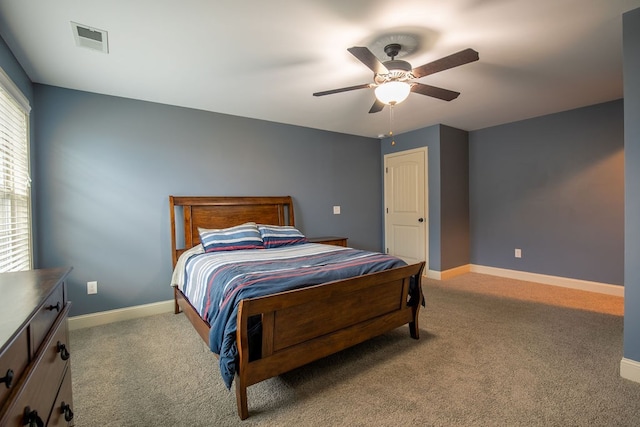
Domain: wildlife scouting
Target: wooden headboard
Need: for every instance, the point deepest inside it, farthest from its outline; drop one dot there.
(192, 212)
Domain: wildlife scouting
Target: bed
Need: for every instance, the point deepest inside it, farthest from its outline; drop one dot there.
(295, 326)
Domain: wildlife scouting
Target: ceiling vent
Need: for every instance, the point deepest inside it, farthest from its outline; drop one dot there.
(91, 38)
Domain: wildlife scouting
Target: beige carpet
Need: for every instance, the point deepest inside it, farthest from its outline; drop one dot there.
(535, 292)
(484, 359)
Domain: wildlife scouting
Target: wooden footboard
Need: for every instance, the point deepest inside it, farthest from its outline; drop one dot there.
(304, 325)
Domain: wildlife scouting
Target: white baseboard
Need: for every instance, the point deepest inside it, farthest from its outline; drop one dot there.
(110, 316)
(432, 274)
(630, 369)
(565, 282)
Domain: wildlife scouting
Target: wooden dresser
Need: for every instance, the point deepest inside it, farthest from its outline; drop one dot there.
(35, 374)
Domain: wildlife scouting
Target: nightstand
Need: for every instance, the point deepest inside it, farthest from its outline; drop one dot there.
(329, 240)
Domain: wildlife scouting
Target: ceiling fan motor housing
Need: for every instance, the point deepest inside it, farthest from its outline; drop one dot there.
(397, 65)
(398, 70)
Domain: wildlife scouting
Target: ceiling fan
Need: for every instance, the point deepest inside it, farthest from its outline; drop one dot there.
(393, 80)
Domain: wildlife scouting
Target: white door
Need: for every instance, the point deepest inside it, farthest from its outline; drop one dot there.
(405, 196)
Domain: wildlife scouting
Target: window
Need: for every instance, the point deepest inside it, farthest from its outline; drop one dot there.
(15, 193)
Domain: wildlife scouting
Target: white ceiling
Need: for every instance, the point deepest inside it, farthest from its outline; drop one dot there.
(264, 59)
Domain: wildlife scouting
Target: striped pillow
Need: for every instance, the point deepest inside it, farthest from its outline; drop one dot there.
(274, 236)
(245, 236)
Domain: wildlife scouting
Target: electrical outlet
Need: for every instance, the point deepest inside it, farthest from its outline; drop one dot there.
(92, 288)
(336, 210)
(518, 253)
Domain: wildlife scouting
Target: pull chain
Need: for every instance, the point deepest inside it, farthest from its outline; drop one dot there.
(391, 124)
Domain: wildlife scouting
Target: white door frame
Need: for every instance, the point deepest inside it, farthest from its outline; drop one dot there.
(426, 198)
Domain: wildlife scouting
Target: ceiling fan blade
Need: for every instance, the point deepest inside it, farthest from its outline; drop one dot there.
(343, 89)
(377, 106)
(435, 92)
(365, 56)
(451, 61)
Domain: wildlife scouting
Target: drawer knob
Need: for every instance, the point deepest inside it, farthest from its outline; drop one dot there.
(7, 379)
(66, 410)
(62, 349)
(54, 307)
(31, 418)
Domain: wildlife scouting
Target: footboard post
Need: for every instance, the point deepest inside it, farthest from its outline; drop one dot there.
(241, 398)
(414, 328)
(242, 341)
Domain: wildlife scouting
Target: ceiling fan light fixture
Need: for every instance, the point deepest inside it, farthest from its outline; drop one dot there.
(392, 93)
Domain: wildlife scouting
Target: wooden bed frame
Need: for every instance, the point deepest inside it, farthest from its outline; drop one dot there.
(302, 325)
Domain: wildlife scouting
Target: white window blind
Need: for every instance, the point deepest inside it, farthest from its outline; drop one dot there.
(15, 194)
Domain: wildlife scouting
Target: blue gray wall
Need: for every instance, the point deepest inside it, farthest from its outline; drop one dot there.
(12, 67)
(107, 165)
(454, 197)
(631, 36)
(447, 175)
(552, 186)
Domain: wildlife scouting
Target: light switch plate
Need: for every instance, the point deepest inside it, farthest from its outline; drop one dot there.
(92, 288)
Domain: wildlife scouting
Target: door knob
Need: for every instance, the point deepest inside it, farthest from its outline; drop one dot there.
(420, 219)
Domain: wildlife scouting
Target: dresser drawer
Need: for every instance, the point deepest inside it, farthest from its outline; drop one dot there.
(62, 412)
(13, 363)
(41, 323)
(43, 378)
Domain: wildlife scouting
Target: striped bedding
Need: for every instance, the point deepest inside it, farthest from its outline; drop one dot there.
(215, 283)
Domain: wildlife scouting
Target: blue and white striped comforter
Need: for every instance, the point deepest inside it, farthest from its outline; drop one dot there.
(215, 283)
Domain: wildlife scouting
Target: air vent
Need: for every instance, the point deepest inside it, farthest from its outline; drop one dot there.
(89, 37)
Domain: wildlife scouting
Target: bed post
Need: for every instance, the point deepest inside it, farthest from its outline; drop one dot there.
(414, 328)
(242, 342)
(241, 398)
(176, 306)
(174, 254)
